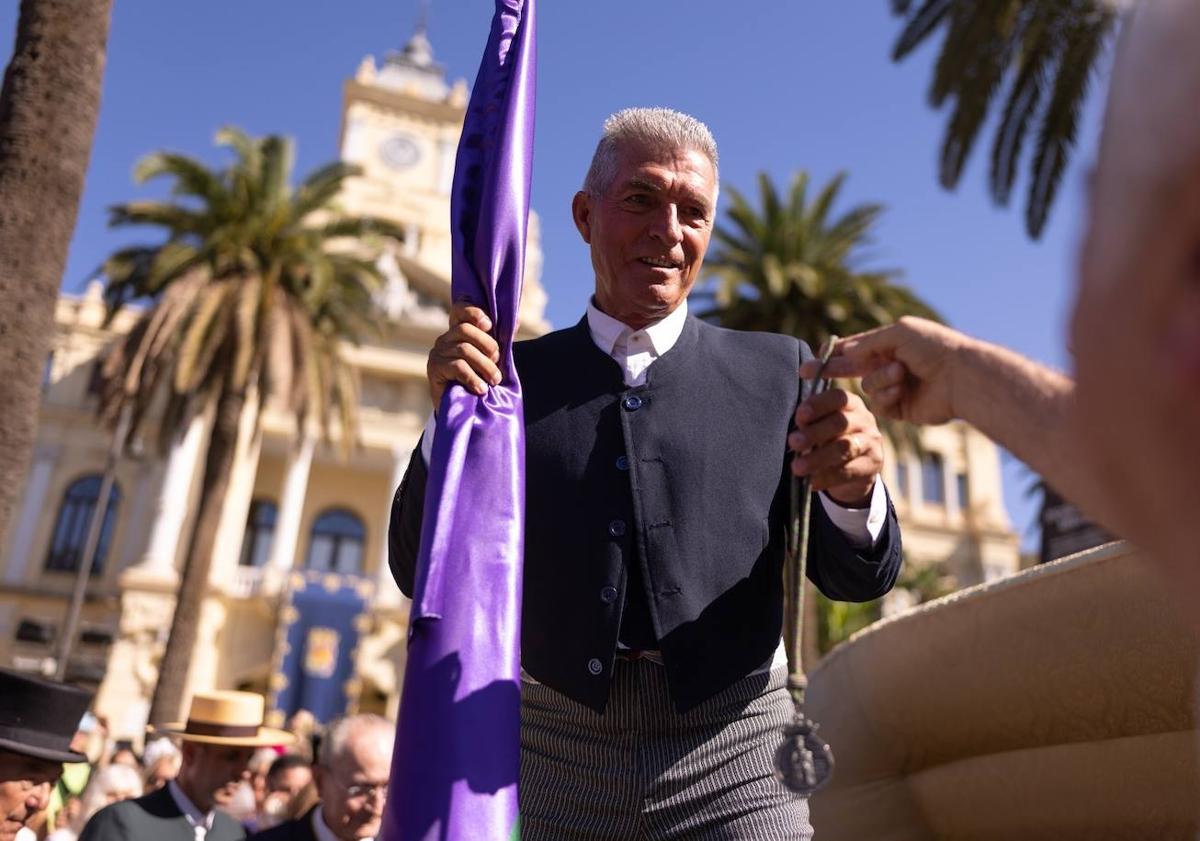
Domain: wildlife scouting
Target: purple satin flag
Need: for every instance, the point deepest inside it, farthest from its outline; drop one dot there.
(454, 773)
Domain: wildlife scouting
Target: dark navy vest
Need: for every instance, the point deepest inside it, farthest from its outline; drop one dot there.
(650, 510)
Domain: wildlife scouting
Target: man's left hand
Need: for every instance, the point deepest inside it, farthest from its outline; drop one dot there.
(838, 446)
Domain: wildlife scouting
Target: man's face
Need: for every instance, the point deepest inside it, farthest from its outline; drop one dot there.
(217, 769)
(289, 781)
(354, 790)
(25, 784)
(648, 231)
(1136, 329)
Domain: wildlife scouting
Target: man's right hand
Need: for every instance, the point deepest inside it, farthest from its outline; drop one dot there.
(464, 354)
(907, 368)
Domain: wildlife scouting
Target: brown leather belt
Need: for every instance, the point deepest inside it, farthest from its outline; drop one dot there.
(634, 654)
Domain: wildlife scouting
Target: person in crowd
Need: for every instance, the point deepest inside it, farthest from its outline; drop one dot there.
(90, 739)
(657, 488)
(68, 823)
(307, 799)
(160, 762)
(38, 721)
(288, 776)
(110, 784)
(220, 735)
(260, 764)
(351, 774)
(124, 754)
(1119, 438)
(303, 725)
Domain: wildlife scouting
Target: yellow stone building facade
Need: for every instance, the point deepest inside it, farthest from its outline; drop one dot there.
(293, 502)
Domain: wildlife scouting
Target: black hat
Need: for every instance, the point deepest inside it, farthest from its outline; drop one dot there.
(39, 717)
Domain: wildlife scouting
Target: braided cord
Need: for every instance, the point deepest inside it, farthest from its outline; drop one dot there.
(795, 573)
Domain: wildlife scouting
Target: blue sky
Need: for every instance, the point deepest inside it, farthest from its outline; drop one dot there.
(783, 85)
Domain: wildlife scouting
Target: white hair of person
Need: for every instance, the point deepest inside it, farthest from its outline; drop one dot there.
(661, 130)
(340, 731)
(104, 783)
(157, 750)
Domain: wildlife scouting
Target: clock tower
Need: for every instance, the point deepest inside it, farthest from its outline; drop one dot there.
(401, 122)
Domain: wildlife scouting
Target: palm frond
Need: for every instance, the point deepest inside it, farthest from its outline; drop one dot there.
(174, 217)
(1036, 55)
(999, 56)
(920, 26)
(192, 178)
(1057, 134)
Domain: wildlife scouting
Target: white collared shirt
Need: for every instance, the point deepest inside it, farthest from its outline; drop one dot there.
(322, 830)
(636, 350)
(201, 823)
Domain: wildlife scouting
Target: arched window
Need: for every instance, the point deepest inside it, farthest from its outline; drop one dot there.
(336, 542)
(71, 526)
(260, 534)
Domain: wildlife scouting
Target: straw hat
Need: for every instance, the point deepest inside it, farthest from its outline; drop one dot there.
(227, 718)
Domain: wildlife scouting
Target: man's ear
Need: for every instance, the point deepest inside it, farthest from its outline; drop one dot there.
(581, 212)
(318, 772)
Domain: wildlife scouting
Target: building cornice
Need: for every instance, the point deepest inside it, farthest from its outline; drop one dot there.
(392, 100)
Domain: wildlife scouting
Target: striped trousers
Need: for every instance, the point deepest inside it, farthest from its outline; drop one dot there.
(644, 771)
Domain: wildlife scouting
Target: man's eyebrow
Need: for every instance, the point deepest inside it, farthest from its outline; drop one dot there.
(638, 182)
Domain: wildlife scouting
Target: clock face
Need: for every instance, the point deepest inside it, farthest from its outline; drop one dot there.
(399, 151)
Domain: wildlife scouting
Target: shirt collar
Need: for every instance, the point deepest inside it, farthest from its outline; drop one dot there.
(190, 811)
(607, 332)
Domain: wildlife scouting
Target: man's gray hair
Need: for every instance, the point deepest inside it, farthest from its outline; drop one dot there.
(659, 129)
(337, 735)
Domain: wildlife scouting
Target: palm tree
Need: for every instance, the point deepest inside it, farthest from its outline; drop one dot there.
(253, 290)
(49, 104)
(793, 267)
(1032, 62)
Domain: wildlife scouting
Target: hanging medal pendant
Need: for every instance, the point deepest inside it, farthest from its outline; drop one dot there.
(803, 762)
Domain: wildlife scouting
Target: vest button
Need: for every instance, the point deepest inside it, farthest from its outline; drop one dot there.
(617, 528)
(632, 403)
(622, 462)
(608, 595)
(595, 666)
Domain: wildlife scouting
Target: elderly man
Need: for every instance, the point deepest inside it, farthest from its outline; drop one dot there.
(656, 498)
(219, 738)
(352, 771)
(38, 719)
(1121, 440)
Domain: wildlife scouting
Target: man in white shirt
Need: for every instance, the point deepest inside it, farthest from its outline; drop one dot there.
(219, 738)
(653, 695)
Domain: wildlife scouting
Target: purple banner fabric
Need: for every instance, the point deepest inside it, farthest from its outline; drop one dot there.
(454, 774)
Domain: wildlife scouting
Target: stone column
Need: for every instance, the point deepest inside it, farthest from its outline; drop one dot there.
(20, 548)
(238, 496)
(174, 500)
(140, 501)
(387, 594)
(291, 508)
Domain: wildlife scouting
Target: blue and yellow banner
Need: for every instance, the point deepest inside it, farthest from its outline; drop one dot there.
(321, 620)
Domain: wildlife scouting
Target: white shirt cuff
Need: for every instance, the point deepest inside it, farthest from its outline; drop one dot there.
(427, 438)
(862, 526)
